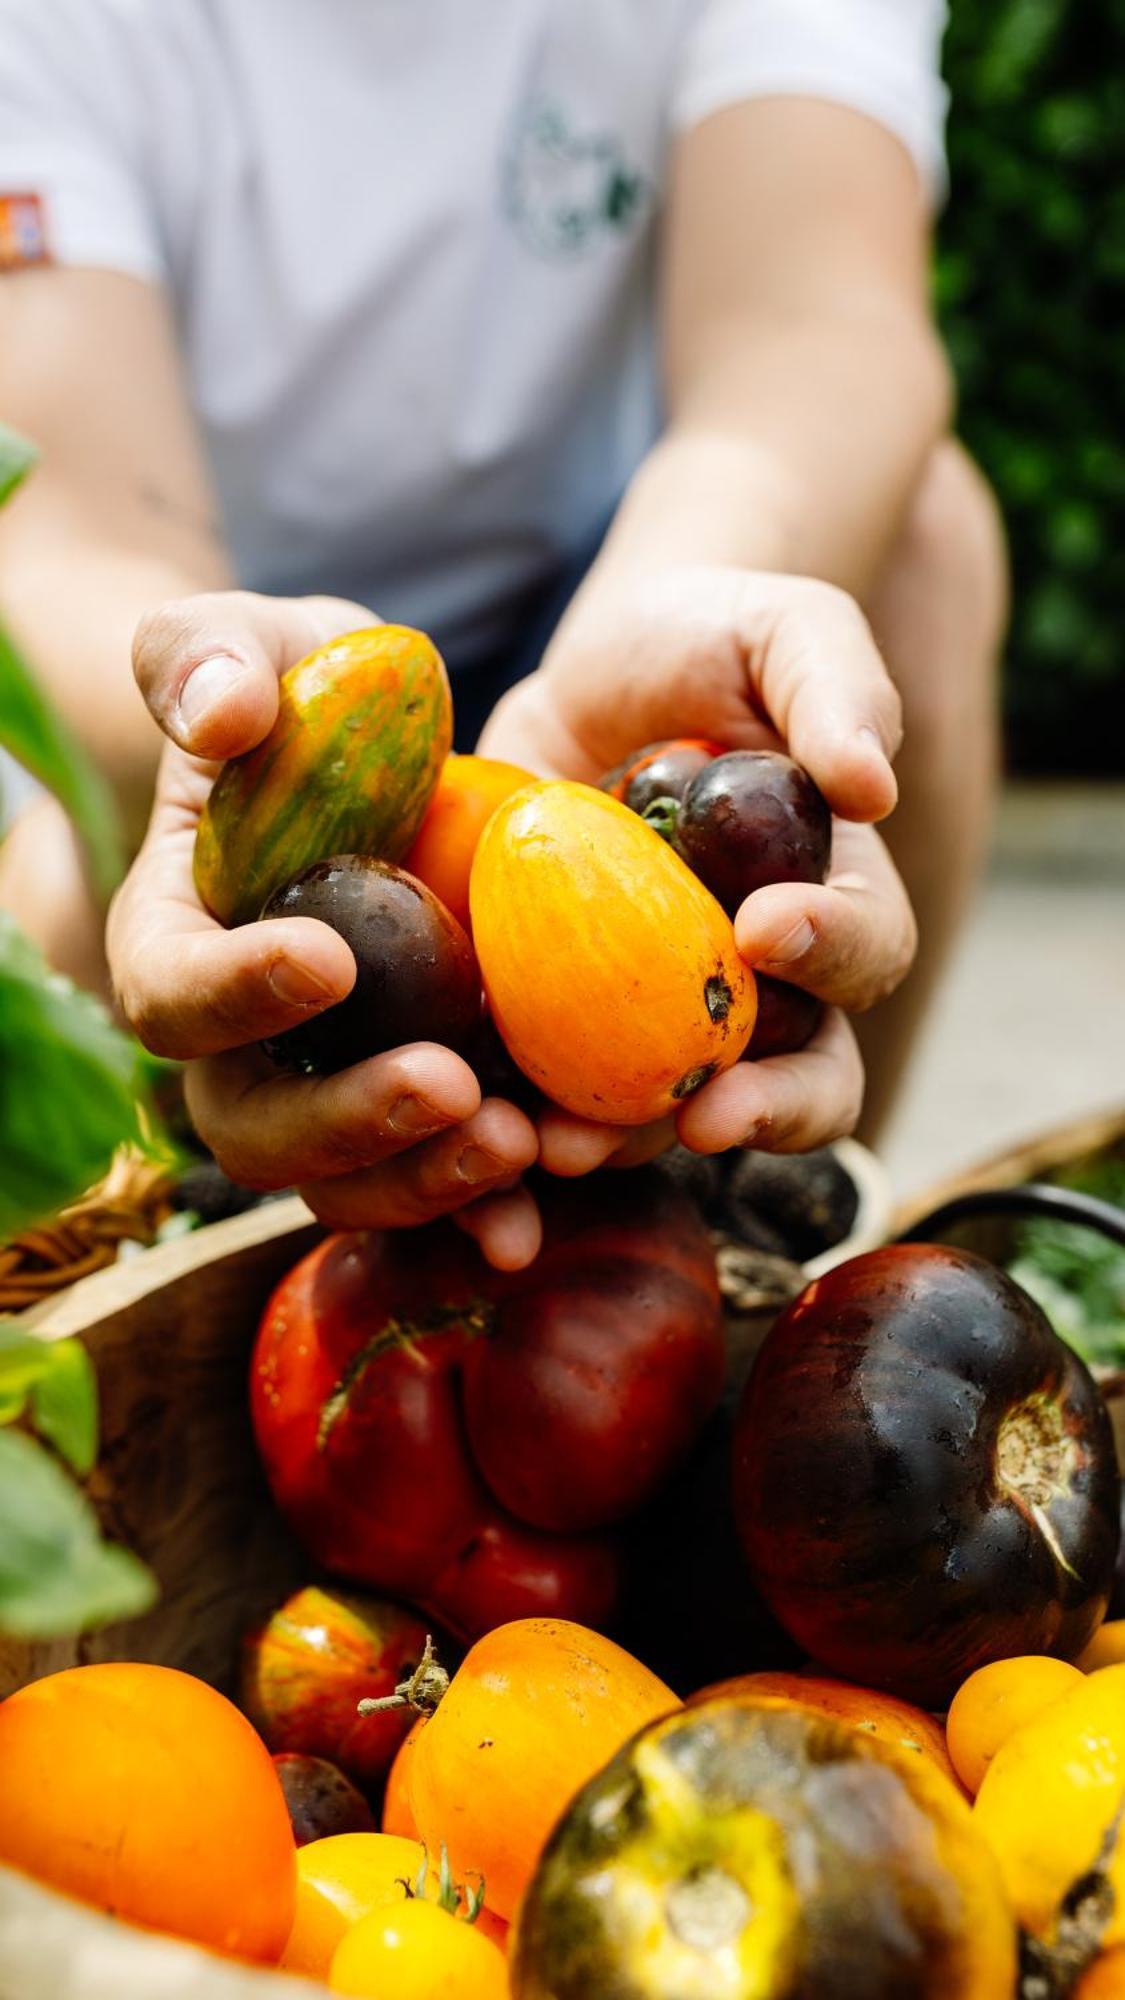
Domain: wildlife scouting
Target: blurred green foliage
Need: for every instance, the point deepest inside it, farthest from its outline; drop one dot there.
(1031, 290)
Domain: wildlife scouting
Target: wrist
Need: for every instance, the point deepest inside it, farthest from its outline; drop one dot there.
(705, 497)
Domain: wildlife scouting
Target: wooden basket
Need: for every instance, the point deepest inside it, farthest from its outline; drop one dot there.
(178, 1481)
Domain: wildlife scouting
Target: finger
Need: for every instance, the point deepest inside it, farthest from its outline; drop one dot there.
(570, 1146)
(507, 1227)
(826, 688)
(268, 1129)
(527, 729)
(851, 942)
(208, 990)
(785, 1104)
(489, 1150)
(208, 666)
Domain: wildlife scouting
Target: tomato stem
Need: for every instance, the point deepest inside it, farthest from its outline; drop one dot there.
(662, 815)
(422, 1689)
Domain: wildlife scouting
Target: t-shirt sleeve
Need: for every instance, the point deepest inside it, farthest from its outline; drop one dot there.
(881, 57)
(71, 137)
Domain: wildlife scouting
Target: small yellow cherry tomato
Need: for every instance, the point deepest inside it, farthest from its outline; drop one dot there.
(1106, 1648)
(339, 1880)
(415, 1951)
(1051, 1795)
(996, 1700)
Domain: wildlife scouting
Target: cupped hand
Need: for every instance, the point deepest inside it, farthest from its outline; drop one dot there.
(393, 1141)
(751, 660)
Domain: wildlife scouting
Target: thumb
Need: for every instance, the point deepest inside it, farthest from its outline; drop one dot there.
(526, 728)
(208, 666)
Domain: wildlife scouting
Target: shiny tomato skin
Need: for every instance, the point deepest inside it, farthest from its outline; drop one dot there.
(307, 1668)
(925, 1477)
(415, 1951)
(142, 1791)
(468, 793)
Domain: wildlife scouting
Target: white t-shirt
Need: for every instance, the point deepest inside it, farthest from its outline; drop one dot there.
(410, 246)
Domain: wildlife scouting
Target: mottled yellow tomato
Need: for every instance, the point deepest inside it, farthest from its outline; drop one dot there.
(1050, 1796)
(414, 1951)
(996, 1700)
(339, 1880)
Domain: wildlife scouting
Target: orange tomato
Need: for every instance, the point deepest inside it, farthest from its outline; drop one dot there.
(1050, 1795)
(468, 793)
(1106, 1648)
(339, 1880)
(1105, 1980)
(397, 1816)
(144, 1792)
(881, 1715)
(996, 1700)
(612, 974)
(535, 1708)
(416, 1952)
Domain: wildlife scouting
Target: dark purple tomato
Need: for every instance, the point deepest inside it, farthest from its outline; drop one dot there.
(321, 1800)
(659, 771)
(749, 818)
(924, 1474)
(1117, 1600)
(417, 978)
(786, 1020)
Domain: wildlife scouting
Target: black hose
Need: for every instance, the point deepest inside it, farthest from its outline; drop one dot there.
(1035, 1198)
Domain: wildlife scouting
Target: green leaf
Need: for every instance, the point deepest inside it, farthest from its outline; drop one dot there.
(56, 1574)
(17, 456)
(64, 1405)
(56, 1378)
(72, 1087)
(41, 741)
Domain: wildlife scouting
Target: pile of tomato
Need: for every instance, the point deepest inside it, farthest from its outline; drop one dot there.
(621, 1669)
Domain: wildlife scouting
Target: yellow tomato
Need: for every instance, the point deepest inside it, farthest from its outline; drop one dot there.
(415, 1951)
(1050, 1796)
(997, 1700)
(339, 1880)
(1106, 1648)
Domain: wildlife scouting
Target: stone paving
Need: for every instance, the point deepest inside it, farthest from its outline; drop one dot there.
(1029, 1028)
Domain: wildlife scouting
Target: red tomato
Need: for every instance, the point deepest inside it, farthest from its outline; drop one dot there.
(141, 1790)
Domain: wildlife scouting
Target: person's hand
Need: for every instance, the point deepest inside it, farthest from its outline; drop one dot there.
(392, 1141)
(750, 660)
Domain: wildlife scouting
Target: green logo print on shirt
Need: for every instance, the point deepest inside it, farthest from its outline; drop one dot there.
(563, 192)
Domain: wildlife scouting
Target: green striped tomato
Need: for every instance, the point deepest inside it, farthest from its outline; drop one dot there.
(362, 731)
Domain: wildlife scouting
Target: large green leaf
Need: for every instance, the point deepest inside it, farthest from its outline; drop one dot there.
(41, 741)
(71, 1087)
(56, 1574)
(54, 1379)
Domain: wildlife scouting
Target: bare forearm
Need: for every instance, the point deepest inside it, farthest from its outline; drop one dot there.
(117, 517)
(795, 451)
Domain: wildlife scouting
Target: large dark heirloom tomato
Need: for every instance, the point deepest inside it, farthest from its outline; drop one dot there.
(731, 1851)
(924, 1474)
(453, 1435)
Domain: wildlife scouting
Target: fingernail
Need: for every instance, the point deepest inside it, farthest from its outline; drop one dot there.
(793, 944)
(208, 683)
(297, 985)
(475, 1165)
(413, 1118)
